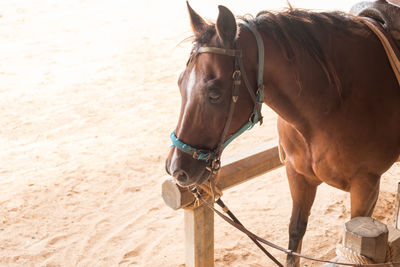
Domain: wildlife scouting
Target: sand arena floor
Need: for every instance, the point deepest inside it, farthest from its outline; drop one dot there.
(88, 98)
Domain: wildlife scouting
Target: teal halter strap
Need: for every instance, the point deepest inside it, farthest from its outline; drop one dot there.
(195, 152)
(238, 74)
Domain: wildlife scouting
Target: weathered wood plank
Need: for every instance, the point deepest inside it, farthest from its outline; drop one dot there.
(365, 241)
(249, 167)
(174, 196)
(396, 218)
(367, 237)
(231, 174)
(199, 237)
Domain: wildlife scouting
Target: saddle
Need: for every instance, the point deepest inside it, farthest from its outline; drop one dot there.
(383, 18)
(385, 13)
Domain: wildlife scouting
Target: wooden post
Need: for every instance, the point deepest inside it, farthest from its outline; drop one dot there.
(394, 231)
(174, 196)
(199, 237)
(394, 244)
(396, 209)
(363, 236)
(367, 237)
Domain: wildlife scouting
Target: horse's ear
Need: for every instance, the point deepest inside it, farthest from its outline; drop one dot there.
(226, 25)
(198, 24)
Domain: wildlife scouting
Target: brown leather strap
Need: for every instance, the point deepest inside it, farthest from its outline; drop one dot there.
(251, 91)
(391, 49)
(218, 50)
(238, 56)
(236, 220)
(238, 74)
(236, 77)
(237, 53)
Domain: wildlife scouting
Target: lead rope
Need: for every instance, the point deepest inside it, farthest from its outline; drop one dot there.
(235, 220)
(257, 240)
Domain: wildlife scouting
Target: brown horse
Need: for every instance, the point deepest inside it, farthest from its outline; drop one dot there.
(327, 77)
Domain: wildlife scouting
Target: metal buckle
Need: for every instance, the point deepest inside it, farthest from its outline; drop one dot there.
(208, 153)
(261, 88)
(214, 167)
(216, 164)
(252, 117)
(236, 75)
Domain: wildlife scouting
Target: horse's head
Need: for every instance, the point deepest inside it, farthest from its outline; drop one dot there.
(215, 104)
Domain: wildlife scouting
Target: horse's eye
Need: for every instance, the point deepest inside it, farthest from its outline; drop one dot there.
(214, 95)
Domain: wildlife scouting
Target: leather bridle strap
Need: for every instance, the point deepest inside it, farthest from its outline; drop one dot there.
(388, 45)
(257, 96)
(236, 220)
(218, 50)
(260, 73)
(254, 98)
(236, 77)
(257, 100)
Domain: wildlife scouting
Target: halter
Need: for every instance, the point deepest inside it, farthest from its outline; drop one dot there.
(212, 157)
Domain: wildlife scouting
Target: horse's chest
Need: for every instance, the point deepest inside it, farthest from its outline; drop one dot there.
(323, 166)
(332, 172)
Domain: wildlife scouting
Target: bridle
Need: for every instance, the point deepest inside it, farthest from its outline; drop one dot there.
(213, 156)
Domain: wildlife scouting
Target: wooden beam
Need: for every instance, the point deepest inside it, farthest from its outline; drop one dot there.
(174, 196)
(246, 168)
(234, 172)
(199, 237)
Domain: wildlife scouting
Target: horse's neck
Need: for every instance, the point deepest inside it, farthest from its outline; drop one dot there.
(299, 93)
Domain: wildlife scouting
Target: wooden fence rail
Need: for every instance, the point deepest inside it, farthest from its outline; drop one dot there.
(199, 222)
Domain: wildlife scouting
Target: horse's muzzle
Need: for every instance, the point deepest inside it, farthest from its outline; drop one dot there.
(186, 170)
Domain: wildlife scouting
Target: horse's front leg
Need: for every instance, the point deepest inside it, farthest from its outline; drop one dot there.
(303, 192)
(364, 191)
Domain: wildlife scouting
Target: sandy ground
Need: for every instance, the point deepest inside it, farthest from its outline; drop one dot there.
(88, 98)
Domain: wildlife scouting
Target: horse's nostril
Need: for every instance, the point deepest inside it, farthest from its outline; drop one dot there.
(182, 177)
